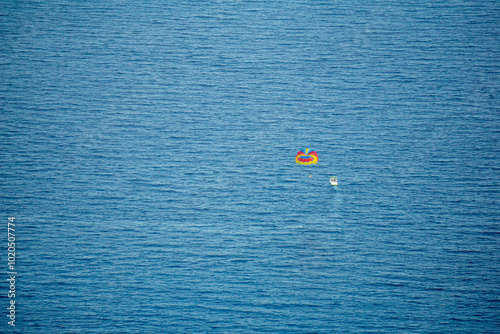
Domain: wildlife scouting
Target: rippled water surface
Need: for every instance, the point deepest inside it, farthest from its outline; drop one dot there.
(148, 155)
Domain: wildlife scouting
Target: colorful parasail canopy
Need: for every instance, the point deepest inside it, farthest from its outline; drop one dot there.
(307, 158)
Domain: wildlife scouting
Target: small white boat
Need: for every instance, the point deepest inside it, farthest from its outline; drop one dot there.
(333, 180)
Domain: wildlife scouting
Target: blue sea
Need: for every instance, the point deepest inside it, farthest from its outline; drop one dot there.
(147, 153)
